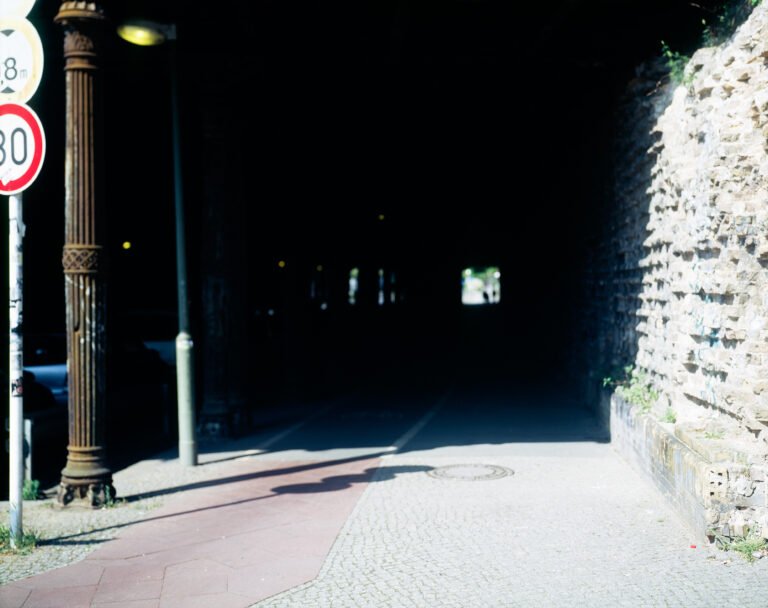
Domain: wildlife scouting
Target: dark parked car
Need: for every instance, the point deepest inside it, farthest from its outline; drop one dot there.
(132, 360)
(139, 383)
(45, 357)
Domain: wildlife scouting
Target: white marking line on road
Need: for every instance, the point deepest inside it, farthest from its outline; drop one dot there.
(263, 447)
(416, 428)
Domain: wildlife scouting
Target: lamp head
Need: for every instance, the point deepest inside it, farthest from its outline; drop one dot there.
(146, 33)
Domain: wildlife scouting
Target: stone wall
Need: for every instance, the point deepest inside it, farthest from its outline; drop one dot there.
(679, 286)
(614, 273)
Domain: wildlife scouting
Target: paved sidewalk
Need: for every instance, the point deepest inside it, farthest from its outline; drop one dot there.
(569, 529)
(360, 507)
(258, 531)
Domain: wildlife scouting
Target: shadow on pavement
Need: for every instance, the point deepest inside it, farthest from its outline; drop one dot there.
(276, 472)
(342, 482)
(329, 484)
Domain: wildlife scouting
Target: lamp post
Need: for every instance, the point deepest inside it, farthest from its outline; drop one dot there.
(150, 33)
(86, 474)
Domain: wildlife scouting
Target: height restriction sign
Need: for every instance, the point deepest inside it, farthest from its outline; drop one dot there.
(21, 59)
(16, 8)
(22, 147)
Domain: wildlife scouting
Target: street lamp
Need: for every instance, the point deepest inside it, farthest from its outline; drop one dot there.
(146, 33)
(150, 33)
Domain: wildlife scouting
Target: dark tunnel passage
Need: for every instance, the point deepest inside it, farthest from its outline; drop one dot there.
(422, 139)
(396, 144)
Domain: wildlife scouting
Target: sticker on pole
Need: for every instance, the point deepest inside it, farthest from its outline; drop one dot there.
(22, 147)
(16, 8)
(21, 60)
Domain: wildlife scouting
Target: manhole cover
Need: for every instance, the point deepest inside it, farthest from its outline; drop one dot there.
(471, 472)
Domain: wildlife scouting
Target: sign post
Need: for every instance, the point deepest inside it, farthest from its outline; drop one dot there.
(22, 150)
(15, 369)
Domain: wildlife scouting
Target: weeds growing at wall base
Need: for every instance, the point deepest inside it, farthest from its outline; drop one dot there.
(750, 547)
(635, 388)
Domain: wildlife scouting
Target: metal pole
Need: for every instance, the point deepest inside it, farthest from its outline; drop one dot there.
(86, 477)
(15, 367)
(185, 378)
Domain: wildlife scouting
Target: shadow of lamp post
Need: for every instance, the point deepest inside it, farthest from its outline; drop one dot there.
(150, 33)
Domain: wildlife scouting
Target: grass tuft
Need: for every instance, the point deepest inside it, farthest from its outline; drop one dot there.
(25, 545)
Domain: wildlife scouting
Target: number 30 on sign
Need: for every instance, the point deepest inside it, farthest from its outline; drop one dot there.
(22, 147)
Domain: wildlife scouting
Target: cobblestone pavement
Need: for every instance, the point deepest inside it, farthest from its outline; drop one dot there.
(570, 525)
(573, 526)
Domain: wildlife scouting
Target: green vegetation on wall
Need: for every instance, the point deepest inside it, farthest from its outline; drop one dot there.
(717, 27)
(635, 388)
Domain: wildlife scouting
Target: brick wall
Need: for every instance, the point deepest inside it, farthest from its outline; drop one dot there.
(679, 284)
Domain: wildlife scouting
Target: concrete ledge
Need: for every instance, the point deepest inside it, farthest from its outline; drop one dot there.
(711, 489)
(652, 449)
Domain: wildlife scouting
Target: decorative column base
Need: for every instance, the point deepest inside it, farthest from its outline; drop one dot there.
(85, 479)
(93, 493)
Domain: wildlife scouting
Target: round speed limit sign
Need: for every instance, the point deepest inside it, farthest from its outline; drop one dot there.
(22, 147)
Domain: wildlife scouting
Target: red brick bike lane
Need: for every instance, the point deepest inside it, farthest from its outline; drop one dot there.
(259, 529)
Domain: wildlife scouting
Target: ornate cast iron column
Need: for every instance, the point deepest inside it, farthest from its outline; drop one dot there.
(85, 476)
(223, 412)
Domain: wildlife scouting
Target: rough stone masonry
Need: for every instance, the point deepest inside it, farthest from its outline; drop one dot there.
(679, 286)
